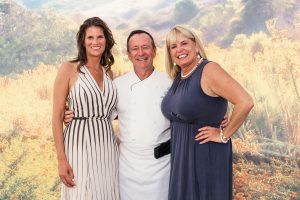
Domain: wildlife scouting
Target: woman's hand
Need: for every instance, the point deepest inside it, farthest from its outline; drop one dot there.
(225, 121)
(66, 174)
(208, 134)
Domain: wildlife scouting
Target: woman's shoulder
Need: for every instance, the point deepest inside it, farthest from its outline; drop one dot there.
(68, 67)
(213, 71)
(211, 66)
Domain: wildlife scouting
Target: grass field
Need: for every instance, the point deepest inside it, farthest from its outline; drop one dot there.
(266, 148)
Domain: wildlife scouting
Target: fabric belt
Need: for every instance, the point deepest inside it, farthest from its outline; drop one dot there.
(85, 118)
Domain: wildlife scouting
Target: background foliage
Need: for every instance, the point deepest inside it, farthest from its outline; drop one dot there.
(28, 38)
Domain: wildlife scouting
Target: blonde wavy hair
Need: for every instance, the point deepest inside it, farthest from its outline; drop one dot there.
(172, 69)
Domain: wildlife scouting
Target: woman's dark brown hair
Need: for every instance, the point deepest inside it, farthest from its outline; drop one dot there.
(107, 59)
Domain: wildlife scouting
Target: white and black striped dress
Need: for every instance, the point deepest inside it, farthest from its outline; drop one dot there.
(90, 144)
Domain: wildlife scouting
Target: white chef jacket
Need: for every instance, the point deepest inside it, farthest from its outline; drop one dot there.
(142, 127)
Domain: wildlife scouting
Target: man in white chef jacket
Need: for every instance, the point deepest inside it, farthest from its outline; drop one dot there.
(141, 123)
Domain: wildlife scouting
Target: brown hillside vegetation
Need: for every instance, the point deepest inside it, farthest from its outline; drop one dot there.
(266, 148)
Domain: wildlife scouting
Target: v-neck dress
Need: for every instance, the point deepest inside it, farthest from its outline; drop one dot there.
(198, 171)
(90, 144)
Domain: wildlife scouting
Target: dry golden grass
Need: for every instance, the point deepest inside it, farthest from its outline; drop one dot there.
(268, 67)
(26, 102)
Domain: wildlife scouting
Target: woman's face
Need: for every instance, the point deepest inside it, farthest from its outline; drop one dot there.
(94, 41)
(183, 51)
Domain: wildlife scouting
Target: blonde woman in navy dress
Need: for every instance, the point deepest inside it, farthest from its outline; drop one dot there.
(201, 153)
(87, 150)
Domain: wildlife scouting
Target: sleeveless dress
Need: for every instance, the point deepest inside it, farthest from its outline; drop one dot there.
(90, 145)
(198, 171)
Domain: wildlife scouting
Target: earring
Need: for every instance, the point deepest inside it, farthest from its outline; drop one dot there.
(174, 64)
(198, 55)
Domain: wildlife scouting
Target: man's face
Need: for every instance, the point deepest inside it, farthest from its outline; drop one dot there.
(140, 51)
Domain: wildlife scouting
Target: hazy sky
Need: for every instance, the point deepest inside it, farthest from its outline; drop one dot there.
(215, 18)
(115, 12)
(107, 8)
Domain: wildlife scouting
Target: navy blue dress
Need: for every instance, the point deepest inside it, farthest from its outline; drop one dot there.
(198, 171)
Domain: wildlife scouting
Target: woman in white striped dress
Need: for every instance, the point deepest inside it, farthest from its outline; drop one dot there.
(87, 150)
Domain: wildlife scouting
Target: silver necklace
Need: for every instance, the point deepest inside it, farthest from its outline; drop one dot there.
(184, 76)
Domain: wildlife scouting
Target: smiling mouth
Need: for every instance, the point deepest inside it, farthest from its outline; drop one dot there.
(182, 56)
(141, 59)
(96, 48)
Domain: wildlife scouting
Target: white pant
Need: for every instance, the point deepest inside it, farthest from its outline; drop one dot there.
(141, 176)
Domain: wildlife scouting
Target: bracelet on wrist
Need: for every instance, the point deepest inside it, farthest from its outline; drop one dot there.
(222, 137)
